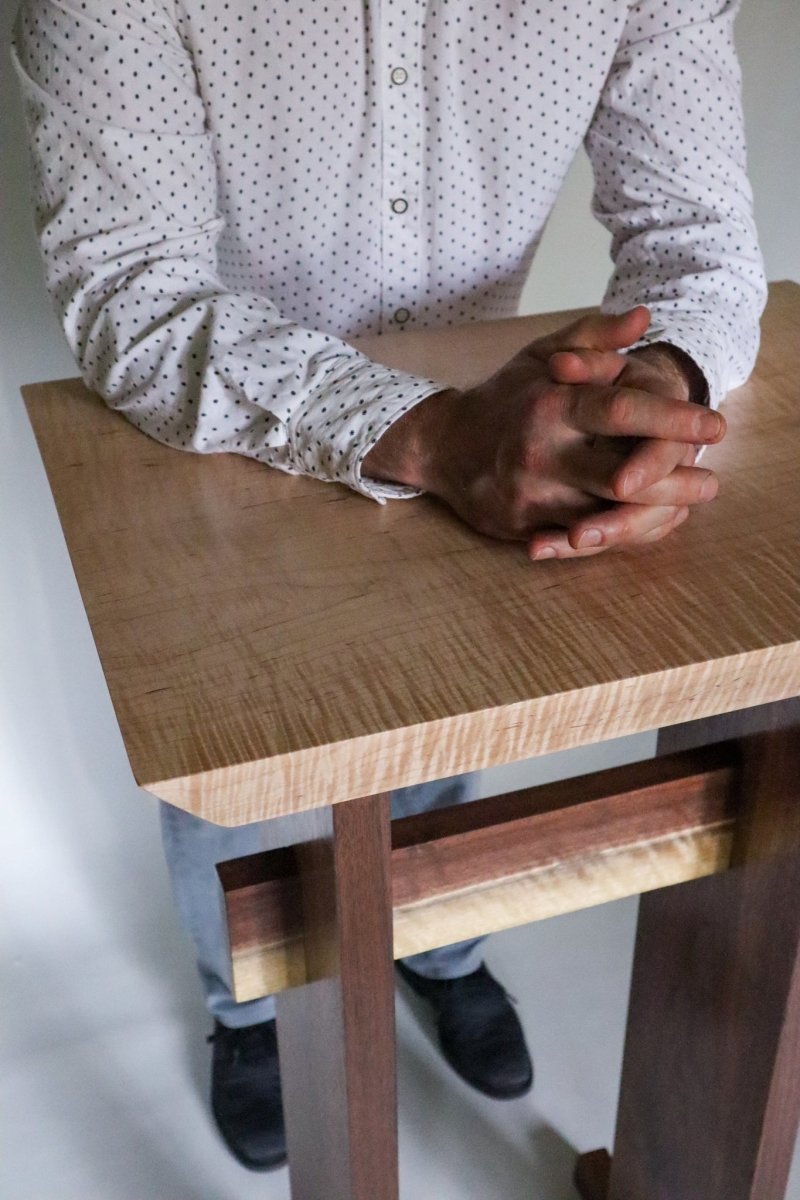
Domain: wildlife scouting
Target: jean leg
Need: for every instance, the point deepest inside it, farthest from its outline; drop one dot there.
(459, 958)
(193, 846)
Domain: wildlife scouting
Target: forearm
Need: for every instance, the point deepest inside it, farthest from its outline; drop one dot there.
(127, 215)
(676, 198)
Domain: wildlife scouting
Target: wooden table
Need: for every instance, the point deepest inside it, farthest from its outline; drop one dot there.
(275, 645)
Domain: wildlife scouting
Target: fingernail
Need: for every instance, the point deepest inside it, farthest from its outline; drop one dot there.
(590, 537)
(545, 552)
(712, 435)
(709, 488)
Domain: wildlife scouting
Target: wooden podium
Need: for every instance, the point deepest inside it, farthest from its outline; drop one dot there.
(273, 645)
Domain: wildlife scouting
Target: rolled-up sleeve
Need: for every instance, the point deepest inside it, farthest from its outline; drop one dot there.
(125, 205)
(668, 153)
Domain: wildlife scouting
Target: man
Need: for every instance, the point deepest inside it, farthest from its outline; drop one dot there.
(225, 191)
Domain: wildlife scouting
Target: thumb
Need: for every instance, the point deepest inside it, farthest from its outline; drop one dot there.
(597, 331)
(610, 331)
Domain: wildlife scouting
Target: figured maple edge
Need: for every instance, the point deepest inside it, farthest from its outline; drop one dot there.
(438, 857)
(273, 644)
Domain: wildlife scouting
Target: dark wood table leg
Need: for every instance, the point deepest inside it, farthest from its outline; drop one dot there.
(710, 1094)
(592, 1174)
(336, 1034)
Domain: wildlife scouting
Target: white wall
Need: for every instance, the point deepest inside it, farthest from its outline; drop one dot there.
(81, 862)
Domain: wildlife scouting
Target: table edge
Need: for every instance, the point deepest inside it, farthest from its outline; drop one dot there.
(262, 789)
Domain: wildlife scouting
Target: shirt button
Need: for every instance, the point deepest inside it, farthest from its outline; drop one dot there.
(399, 206)
(401, 316)
(399, 75)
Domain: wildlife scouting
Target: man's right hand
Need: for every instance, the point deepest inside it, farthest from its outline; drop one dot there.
(520, 453)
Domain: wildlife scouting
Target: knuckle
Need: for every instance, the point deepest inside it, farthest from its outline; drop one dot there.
(569, 407)
(548, 496)
(619, 409)
(551, 402)
(551, 397)
(531, 457)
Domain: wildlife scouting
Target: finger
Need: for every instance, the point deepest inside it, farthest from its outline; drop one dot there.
(621, 525)
(647, 464)
(609, 467)
(586, 366)
(660, 376)
(597, 331)
(627, 412)
(555, 543)
(661, 531)
(689, 456)
(683, 486)
(537, 503)
(598, 471)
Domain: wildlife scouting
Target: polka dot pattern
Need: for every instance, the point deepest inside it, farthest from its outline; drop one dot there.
(226, 189)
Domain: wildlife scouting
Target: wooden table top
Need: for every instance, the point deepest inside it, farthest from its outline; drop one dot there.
(275, 643)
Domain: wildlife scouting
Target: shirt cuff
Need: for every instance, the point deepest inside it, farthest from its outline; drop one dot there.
(343, 417)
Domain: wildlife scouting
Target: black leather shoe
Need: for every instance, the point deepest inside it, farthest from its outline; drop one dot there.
(246, 1094)
(479, 1031)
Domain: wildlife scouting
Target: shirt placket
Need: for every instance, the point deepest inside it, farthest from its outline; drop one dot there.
(401, 29)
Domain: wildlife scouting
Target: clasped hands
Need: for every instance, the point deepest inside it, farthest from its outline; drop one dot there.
(572, 446)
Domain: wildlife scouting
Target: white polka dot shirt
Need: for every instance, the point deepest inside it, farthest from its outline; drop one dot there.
(226, 189)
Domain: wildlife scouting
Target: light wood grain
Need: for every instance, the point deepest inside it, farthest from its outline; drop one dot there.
(538, 894)
(506, 860)
(273, 644)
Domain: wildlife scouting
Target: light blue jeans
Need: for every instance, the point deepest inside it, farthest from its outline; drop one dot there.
(193, 847)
